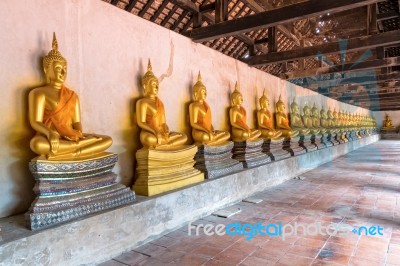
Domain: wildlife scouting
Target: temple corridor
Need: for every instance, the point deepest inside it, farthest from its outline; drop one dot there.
(361, 188)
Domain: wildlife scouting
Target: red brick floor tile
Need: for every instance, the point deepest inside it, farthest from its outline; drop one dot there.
(303, 251)
(360, 261)
(338, 248)
(150, 249)
(207, 251)
(111, 263)
(255, 261)
(131, 257)
(213, 262)
(329, 256)
(263, 254)
(190, 259)
(165, 241)
(170, 255)
(184, 246)
(151, 262)
(232, 255)
(294, 260)
(314, 243)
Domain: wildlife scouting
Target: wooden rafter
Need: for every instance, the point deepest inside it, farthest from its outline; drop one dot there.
(354, 44)
(372, 64)
(273, 18)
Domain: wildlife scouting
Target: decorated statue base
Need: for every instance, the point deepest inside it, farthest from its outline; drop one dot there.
(389, 134)
(216, 160)
(343, 137)
(71, 189)
(348, 135)
(293, 146)
(307, 143)
(274, 149)
(250, 153)
(325, 140)
(332, 137)
(161, 170)
(318, 141)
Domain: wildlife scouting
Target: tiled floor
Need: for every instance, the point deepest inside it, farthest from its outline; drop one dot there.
(359, 189)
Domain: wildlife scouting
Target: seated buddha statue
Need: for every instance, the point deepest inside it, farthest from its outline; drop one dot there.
(54, 114)
(295, 119)
(317, 119)
(150, 115)
(387, 124)
(308, 121)
(282, 121)
(265, 120)
(324, 121)
(237, 114)
(200, 118)
(331, 121)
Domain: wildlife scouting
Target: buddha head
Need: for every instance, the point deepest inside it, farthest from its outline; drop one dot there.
(199, 90)
(329, 113)
(264, 101)
(306, 110)
(236, 97)
(335, 114)
(55, 65)
(280, 106)
(387, 118)
(314, 111)
(323, 113)
(150, 82)
(294, 107)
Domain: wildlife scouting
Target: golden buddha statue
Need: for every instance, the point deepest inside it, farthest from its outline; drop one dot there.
(150, 115)
(387, 124)
(316, 119)
(324, 121)
(237, 114)
(295, 119)
(265, 120)
(54, 114)
(200, 118)
(282, 121)
(308, 120)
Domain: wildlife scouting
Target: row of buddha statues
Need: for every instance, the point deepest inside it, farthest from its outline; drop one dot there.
(164, 160)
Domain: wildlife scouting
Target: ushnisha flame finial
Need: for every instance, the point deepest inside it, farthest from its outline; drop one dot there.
(53, 55)
(149, 75)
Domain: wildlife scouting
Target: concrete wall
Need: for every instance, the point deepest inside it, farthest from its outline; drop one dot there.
(107, 51)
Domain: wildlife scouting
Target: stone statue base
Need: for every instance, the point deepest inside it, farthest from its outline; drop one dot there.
(293, 146)
(274, 149)
(250, 153)
(216, 160)
(161, 170)
(307, 143)
(317, 141)
(325, 140)
(71, 189)
(343, 137)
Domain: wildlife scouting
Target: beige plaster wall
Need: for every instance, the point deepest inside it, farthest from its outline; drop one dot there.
(107, 51)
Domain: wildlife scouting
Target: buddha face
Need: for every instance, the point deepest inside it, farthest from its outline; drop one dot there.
(237, 99)
(201, 94)
(264, 103)
(315, 112)
(57, 72)
(295, 108)
(306, 111)
(280, 107)
(151, 88)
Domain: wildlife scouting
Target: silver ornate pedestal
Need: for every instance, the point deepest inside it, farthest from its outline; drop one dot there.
(250, 153)
(318, 140)
(274, 149)
(293, 145)
(216, 160)
(71, 189)
(307, 142)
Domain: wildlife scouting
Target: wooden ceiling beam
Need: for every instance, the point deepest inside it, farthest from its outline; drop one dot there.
(273, 17)
(354, 44)
(372, 64)
(389, 15)
(367, 79)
